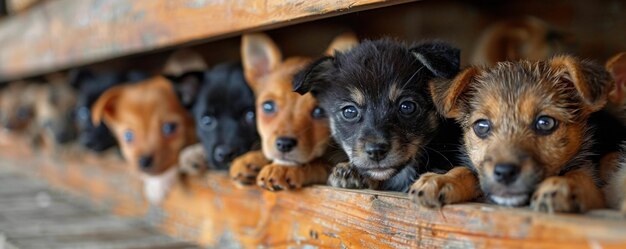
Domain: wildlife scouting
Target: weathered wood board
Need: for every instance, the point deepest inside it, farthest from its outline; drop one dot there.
(216, 213)
(66, 33)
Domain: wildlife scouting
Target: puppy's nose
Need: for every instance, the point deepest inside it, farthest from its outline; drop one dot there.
(376, 151)
(64, 137)
(286, 144)
(505, 173)
(145, 162)
(223, 153)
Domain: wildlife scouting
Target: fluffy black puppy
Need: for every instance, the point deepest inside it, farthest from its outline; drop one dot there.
(224, 114)
(90, 86)
(378, 101)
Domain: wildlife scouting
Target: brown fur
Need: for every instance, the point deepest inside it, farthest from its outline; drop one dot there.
(270, 77)
(17, 104)
(54, 105)
(143, 108)
(521, 38)
(512, 96)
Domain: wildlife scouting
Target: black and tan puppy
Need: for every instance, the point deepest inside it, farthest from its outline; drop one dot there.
(527, 135)
(381, 114)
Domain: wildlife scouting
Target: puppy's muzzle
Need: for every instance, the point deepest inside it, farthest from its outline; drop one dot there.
(286, 144)
(506, 173)
(146, 162)
(223, 153)
(376, 151)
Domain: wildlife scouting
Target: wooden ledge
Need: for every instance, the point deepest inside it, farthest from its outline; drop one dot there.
(216, 213)
(68, 33)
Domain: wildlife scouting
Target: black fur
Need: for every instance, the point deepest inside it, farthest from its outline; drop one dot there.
(226, 99)
(373, 68)
(90, 86)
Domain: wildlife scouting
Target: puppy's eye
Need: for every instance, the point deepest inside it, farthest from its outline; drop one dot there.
(250, 117)
(269, 107)
(169, 128)
(318, 113)
(350, 112)
(482, 128)
(23, 113)
(83, 113)
(129, 136)
(208, 121)
(545, 125)
(408, 107)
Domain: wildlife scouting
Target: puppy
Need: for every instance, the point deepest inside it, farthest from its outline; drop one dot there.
(54, 111)
(151, 127)
(294, 130)
(614, 166)
(17, 106)
(527, 135)
(224, 114)
(90, 86)
(381, 113)
(192, 160)
(521, 38)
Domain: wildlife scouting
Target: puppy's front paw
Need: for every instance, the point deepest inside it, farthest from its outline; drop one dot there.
(279, 177)
(244, 169)
(557, 194)
(344, 175)
(192, 160)
(432, 190)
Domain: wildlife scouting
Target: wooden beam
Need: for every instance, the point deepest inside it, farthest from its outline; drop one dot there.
(215, 212)
(68, 33)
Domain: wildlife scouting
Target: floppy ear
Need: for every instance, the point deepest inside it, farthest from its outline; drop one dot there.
(105, 108)
(342, 43)
(591, 81)
(187, 86)
(313, 76)
(447, 94)
(260, 56)
(617, 68)
(440, 58)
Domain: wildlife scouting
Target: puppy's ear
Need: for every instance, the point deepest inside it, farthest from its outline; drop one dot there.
(440, 58)
(187, 86)
(105, 108)
(447, 94)
(313, 76)
(342, 43)
(617, 68)
(591, 81)
(260, 56)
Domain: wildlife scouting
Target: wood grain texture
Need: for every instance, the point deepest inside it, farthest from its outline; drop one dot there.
(216, 213)
(67, 33)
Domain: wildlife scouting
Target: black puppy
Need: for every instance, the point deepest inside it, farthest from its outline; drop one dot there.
(90, 86)
(376, 96)
(224, 114)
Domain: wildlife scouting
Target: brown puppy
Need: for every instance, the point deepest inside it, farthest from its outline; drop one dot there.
(614, 166)
(17, 106)
(54, 111)
(526, 134)
(521, 38)
(294, 130)
(151, 126)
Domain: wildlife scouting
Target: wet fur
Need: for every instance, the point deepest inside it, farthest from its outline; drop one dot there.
(376, 76)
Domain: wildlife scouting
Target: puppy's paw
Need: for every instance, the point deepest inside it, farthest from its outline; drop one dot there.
(344, 175)
(192, 160)
(433, 190)
(245, 168)
(279, 177)
(557, 194)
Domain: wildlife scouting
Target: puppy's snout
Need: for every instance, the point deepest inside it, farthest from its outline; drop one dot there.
(286, 144)
(64, 137)
(506, 173)
(145, 162)
(376, 151)
(223, 153)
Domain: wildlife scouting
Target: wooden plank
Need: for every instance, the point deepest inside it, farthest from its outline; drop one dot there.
(67, 33)
(216, 213)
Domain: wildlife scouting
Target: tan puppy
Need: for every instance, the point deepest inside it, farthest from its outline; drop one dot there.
(522, 38)
(526, 135)
(151, 126)
(17, 106)
(54, 111)
(294, 130)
